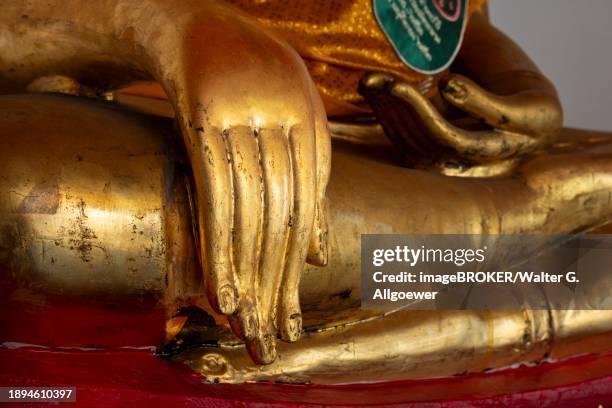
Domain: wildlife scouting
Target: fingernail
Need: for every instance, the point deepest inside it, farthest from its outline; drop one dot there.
(456, 90)
(266, 352)
(227, 299)
(376, 80)
(294, 327)
(250, 327)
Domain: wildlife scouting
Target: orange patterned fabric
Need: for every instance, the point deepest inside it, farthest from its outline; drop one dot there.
(339, 40)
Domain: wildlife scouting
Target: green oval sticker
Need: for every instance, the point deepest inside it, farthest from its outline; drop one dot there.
(426, 34)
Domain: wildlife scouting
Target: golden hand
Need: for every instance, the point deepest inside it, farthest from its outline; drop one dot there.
(516, 102)
(514, 123)
(256, 132)
(252, 123)
(500, 108)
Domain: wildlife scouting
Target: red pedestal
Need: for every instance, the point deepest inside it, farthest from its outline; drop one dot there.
(137, 378)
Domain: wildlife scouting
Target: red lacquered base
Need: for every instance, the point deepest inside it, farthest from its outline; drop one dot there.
(140, 379)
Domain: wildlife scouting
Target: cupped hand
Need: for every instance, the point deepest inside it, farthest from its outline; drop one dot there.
(519, 113)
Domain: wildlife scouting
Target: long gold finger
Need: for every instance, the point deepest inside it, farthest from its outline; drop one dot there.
(301, 142)
(248, 222)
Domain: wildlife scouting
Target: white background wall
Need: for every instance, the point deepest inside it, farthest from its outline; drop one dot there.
(571, 41)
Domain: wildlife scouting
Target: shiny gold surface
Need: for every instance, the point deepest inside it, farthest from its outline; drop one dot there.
(114, 197)
(494, 108)
(491, 110)
(73, 222)
(260, 155)
(105, 212)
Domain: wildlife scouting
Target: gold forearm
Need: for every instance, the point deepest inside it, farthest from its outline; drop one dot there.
(104, 43)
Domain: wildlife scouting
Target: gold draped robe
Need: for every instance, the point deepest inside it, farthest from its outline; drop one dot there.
(340, 40)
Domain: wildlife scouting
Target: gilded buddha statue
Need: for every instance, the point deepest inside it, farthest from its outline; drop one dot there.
(207, 225)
